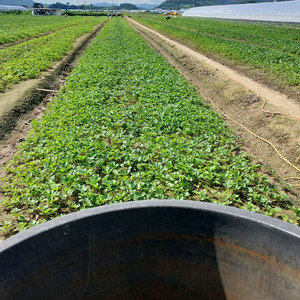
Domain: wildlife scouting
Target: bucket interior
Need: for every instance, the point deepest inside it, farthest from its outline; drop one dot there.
(153, 253)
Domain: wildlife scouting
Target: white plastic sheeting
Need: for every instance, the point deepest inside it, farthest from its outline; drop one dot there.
(12, 7)
(287, 11)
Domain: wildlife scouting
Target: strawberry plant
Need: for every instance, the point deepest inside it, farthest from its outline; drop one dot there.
(127, 126)
(16, 27)
(268, 48)
(28, 59)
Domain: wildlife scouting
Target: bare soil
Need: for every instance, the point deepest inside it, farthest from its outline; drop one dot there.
(240, 98)
(28, 100)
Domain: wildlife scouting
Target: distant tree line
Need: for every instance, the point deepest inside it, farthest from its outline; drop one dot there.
(125, 6)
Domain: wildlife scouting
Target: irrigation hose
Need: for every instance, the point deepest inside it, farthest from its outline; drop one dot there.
(265, 103)
(271, 112)
(259, 137)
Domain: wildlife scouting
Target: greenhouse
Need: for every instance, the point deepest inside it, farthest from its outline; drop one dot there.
(12, 7)
(287, 11)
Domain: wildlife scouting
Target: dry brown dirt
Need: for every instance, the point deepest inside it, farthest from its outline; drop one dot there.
(241, 99)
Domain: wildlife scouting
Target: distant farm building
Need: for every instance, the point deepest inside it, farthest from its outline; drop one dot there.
(287, 11)
(46, 11)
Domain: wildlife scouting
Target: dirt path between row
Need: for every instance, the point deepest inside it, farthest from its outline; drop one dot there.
(240, 98)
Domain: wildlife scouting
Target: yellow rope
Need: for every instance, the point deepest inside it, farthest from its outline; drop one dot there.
(259, 137)
(265, 102)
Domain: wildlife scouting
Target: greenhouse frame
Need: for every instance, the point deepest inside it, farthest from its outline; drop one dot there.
(286, 11)
(12, 7)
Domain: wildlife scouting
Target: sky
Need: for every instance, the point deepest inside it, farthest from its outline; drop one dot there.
(97, 1)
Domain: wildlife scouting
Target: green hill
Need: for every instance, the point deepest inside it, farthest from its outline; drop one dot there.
(177, 4)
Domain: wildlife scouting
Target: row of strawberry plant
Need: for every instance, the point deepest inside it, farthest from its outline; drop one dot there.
(277, 63)
(28, 59)
(127, 126)
(260, 34)
(16, 27)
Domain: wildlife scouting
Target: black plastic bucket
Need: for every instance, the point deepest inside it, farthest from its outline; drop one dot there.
(157, 249)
